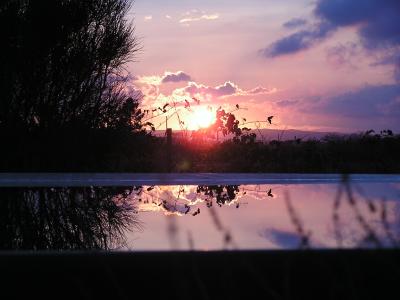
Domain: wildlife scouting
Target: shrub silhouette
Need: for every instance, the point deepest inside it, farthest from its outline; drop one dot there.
(61, 62)
(79, 218)
(64, 104)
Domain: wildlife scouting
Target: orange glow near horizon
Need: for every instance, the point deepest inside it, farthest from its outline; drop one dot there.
(201, 117)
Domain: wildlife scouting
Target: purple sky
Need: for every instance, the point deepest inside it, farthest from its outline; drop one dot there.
(316, 65)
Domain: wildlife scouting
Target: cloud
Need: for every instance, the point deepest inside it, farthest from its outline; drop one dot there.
(342, 54)
(372, 106)
(228, 88)
(286, 103)
(203, 17)
(148, 18)
(152, 86)
(152, 79)
(378, 19)
(299, 41)
(282, 239)
(179, 76)
(368, 102)
(397, 70)
(261, 90)
(295, 23)
(176, 77)
(377, 22)
(194, 15)
(156, 88)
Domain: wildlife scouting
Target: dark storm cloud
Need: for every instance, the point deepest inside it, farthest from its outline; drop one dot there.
(295, 23)
(378, 21)
(176, 77)
(344, 12)
(299, 41)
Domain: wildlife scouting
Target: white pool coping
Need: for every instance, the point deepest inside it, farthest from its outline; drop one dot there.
(132, 179)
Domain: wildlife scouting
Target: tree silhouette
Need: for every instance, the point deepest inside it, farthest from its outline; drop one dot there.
(62, 63)
(64, 100)
(223, 194)
(65, 218)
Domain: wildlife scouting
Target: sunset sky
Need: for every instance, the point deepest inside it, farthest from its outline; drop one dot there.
(327, 65)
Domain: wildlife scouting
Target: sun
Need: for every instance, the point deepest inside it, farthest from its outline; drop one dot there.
(201, 118)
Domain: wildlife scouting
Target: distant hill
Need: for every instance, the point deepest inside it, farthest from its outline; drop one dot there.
(266, 134)
(290, 134)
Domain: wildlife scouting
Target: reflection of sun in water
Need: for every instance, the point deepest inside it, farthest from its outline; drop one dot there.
(201, 117)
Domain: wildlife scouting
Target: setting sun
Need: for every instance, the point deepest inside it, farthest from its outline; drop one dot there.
(201, 117)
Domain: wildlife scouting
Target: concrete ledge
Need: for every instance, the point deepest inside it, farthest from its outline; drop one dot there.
(131, 179)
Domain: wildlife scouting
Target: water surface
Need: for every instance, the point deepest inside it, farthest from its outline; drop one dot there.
(339, 214)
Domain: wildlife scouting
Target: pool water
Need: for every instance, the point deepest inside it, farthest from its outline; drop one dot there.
(204, 217)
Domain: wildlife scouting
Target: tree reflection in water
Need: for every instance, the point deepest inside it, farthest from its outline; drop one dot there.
(83, 218)
(65, 218)
(223, 194)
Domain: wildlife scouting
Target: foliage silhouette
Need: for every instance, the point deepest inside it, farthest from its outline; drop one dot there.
(64, 102)
(359, 153)
(62, 63)
(86, 218)
(223, 194)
